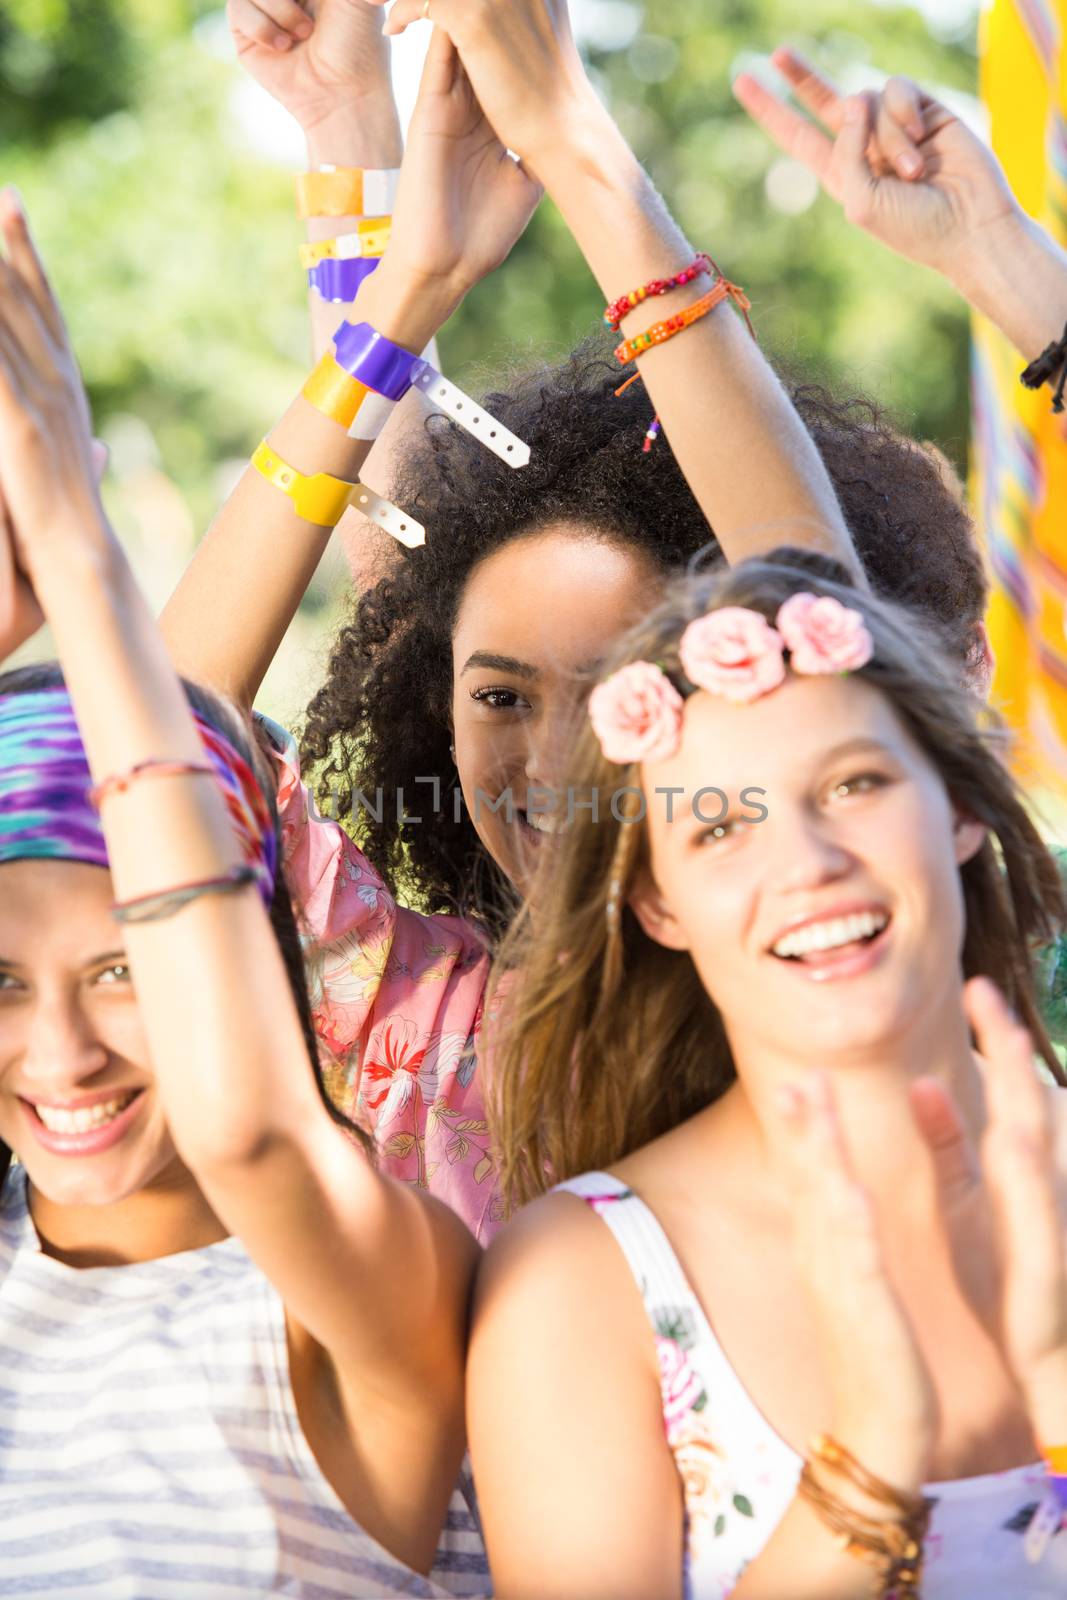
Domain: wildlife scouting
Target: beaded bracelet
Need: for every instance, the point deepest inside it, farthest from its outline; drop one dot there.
(660, 332)
(619, 308)
(156, 907)
(1044, 367)
(893, 1546)
(119, 782)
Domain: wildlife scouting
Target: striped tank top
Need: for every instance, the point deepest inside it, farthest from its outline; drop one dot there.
(150, 1445)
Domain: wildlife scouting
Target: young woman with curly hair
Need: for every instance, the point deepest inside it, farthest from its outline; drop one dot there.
(448, 691)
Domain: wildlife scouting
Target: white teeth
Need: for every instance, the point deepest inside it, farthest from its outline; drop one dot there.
(544, 824)
(830, 935)
(83, 1119)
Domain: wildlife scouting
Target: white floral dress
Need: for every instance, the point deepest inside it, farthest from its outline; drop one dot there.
(739, 1476)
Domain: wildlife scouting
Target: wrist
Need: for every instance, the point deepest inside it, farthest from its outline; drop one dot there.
(363, 132)
(406, 307)
(76, 556)
(585, 148)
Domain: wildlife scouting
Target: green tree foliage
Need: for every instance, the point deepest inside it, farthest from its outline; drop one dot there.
(173, 243)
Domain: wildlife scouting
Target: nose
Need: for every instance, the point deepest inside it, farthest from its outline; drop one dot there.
(62, 1049)
(807, 855)
(548, 737)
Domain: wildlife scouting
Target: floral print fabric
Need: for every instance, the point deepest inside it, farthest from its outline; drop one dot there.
(738, 1476)
(398, 1000)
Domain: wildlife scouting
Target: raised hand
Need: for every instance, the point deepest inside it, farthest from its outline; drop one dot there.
(462, 201)
(882, 1401)
(49, 464)
(902, 166)
(521, 60)
(1006, 1214)
(312, 57)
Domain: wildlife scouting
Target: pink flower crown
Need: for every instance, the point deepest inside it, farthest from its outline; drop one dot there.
(733, 652)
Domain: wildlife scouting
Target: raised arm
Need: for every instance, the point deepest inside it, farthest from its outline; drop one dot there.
(905, 169)
(748, 459)
(370, 1271)
(461, 205)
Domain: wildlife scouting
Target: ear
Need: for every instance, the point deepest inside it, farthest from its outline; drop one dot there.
(968, 835)
(979, 674)
(653, 913)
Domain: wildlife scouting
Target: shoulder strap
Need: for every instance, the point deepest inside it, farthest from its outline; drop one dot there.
(672, 1307)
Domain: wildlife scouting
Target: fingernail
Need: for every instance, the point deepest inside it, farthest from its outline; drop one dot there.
(304, 30)
(908, 165)
(282, 41)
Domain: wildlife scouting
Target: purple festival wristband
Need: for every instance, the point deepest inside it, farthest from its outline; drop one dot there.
(374, 360)
(339, 281)
(390, 371)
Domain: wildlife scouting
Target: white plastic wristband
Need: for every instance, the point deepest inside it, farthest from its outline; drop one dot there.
(404, 529)
(469, 414)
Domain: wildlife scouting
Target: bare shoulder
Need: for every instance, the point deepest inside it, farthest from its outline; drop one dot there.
(556, 1266)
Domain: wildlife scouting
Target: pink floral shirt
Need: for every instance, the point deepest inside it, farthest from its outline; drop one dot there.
(398, 1000)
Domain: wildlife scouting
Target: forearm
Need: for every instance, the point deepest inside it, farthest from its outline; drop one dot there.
(229, 613)
(1016, 275)
(747, 457)
(364, 134)
(804, 1560)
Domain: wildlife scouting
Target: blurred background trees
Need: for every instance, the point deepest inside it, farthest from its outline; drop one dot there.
(161, 191)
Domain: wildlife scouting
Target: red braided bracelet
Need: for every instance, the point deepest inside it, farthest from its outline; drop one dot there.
(618, 309)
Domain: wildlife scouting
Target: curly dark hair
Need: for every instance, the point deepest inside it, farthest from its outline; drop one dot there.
(381, 718)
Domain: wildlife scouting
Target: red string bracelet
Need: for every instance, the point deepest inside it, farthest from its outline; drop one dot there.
(119, 782)
(619, 308)
(660, 332)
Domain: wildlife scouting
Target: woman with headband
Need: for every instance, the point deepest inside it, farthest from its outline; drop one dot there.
(775, 1337)
(231, 1352)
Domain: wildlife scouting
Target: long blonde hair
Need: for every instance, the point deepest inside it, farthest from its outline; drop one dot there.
(607, 1039)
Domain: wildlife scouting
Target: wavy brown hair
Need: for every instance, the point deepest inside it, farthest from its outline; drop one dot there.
(607, 1039)
(381, 718)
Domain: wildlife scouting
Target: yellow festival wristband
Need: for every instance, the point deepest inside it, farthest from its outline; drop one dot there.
(323, 500)
(346, 191)
(370, 238)
(333, 392)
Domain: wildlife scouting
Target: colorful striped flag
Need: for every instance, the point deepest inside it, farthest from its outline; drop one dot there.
(1020, 477)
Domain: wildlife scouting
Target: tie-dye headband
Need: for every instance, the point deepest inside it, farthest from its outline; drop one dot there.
(45, 810)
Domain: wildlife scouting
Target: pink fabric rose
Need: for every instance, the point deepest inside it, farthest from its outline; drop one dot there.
(733, 652)
(637, 714)
(822, 635)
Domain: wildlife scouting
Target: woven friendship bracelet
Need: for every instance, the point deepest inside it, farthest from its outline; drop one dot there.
(346, 191)
(323, 500)
(391, 371)
(660, 332)
(156, 907)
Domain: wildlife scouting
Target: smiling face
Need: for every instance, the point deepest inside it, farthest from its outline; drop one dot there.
(78, 1103)
(535, 616)
(835, 923)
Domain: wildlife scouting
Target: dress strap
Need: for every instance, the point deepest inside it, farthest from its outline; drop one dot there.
(673, 1308)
